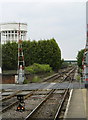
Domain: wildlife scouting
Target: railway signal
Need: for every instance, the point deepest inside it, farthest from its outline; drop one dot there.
(21, 105)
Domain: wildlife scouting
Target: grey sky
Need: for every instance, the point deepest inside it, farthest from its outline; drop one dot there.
(65, 21)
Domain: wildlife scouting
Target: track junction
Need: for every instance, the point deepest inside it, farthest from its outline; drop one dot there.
(46, 100)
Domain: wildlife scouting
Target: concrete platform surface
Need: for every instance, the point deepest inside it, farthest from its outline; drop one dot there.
(77, 106)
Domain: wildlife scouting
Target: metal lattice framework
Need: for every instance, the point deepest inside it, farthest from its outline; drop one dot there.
(21, 63)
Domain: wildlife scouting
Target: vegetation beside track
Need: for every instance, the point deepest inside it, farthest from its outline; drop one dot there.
(38, 77)
(38, 68)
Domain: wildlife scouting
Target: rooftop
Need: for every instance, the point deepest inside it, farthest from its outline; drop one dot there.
(13, 23)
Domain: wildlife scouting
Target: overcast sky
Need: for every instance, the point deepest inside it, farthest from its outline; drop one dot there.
(64, 21)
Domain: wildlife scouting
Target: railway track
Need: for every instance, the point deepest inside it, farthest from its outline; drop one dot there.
(10, 101)
(7, 101)
(10, 96)
(49, 102)
(50, 107)
(59, 110)
(30, 104)
(42, 111)
(38, 102)
(60, 77)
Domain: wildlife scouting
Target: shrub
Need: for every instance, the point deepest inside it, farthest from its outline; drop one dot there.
(78, 77)
(36, 79)
(64, 65)
(25, 82)
(38, 68)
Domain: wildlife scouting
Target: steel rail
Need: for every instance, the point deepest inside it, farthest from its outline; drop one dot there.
(61, 104)
(39, 105)
(10, 96)
(57, 75)
(28, 95)
(68, 74)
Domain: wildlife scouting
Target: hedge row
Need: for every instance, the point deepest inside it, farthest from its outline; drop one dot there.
(42, 52)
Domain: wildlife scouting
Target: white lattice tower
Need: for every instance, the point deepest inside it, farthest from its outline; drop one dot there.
(21, 64)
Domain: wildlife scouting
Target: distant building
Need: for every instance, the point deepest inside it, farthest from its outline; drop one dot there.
(9, 32)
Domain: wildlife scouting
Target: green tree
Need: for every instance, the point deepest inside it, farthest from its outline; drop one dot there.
(9, 56)
(80, 57)
(48, 52)
(42, 52)
(33, 52)
(26, 51)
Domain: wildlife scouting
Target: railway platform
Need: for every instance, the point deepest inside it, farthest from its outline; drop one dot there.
(77, 107)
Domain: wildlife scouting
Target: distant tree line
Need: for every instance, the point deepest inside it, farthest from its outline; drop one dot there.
(42, 52)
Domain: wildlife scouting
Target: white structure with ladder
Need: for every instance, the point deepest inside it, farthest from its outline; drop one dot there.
(20, 58)
(9, 32)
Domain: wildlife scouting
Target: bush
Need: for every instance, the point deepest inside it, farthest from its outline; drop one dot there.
(38, 68)
(64, 65)
(78, 77)
(36, 79)
(25, 82)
